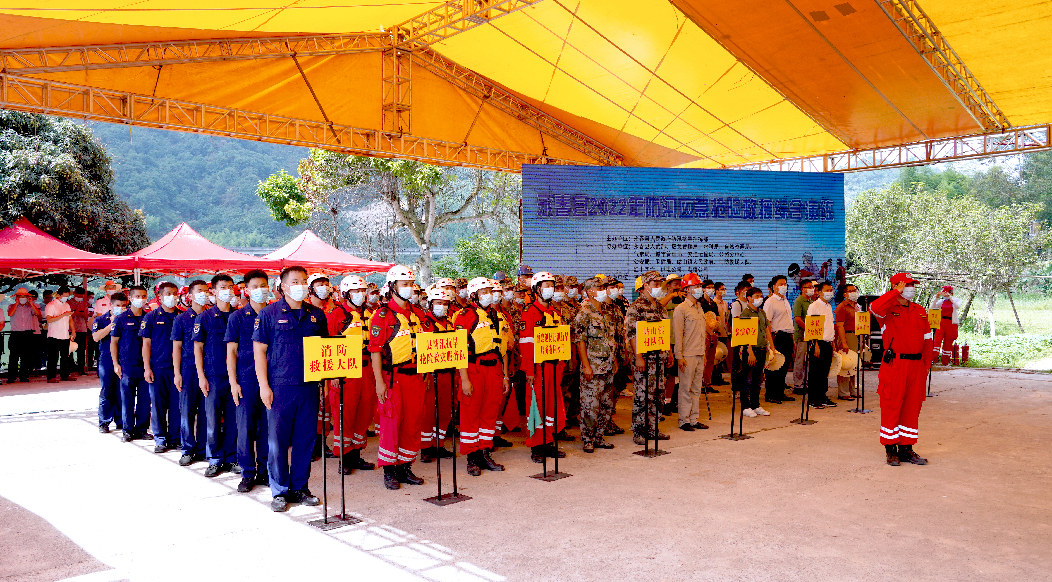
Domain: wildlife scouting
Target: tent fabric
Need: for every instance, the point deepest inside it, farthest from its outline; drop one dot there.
(314, 254)
(183, 250)
(26, 251)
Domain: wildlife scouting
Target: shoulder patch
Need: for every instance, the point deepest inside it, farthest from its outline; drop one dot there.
(375, 331)
(143, 324)
(255, 325)
(197, 327)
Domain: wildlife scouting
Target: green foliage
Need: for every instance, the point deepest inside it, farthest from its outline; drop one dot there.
(1013, 351)
(55, 173)
(480, 256)
(282, 195)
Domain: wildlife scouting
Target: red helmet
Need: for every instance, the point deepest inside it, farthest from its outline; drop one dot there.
(690, 279)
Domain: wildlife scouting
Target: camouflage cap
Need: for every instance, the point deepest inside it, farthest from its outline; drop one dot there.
(521, 289)
(651, 276)
(461, 282)
(506, 282)
(593, 282)
(571, 281)
(559, 281)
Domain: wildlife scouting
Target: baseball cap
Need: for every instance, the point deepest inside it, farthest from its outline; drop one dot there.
(525, 270)
(902, 278)
(499, 275)
(948, 289)
(651, 276)
(22, 292)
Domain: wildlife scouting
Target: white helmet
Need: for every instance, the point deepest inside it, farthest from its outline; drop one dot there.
(435, 292)
(351, 282)
(400, 273)
(541, 277)
(495, 284)
(445, 282)
(315, 277)
(478, 283)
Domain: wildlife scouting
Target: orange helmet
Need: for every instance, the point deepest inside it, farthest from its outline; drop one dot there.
(690, 279)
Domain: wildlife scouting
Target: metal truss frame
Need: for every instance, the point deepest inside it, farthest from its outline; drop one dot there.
(64, 99)
(1013, 141)
(921, 32)
(453, 18)
(397, 86)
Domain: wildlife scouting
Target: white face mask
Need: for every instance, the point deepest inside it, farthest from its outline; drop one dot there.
(574, 294)
(439, 310)
(405, 292)
(168, 301)
(600, 296)
(110, 292)
(496, 297)
(757, 302)
(200, 297)
(357, 298)
(781, 289)
(853, 296)
(64, 299)
(809, 292)
(509, 296)
(415, 299)
(78, 299)
(520, 301)
(657, 293)
(322, 292)
(697, 292)
(235, 301)
(117, 310)
(223, 295)
(138, 302)
(374, 298)
(908, 293)
(23, 300)
(710, 293)
(259, 294)
(298, 292)
(827, 296)
(559, 296)
(547, 293)
(613, 293)
(485, 299)
(463, 293)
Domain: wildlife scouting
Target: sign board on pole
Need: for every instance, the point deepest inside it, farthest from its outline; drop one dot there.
(744, 332)
(325, 358)
(653, 336)
(935, 318)
(551, 343)
(441, 350)
(814, 327)
(862, 323)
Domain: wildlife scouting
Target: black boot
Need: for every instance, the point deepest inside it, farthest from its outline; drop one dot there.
(893, 455)
(426, 455)
(907, 455)
(406, 475)
(348, 464)
(537, 454)
(391, 476)
(441, 453)
(553, 452)
(357, 462)
(488, 463)
(474, 466)
(499, 441)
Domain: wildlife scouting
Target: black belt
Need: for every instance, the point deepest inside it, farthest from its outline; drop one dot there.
(403, 370)
(492, 362)
(944, 317)
(475, 359)
(910, 356)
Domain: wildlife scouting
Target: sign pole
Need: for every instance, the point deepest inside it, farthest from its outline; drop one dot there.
(343, 474)
(560, 348)
(649, 396)
(438, 458)
(930, 366)
(805, 414)
(860, 378)
(441, 499)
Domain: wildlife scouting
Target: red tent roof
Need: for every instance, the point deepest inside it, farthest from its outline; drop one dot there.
(309, 251)
(183, 250)
(27, 251)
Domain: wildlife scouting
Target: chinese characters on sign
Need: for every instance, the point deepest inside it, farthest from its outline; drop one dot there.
(551, 343)
(331, 357)
(550, 205)
(935, 318)
(744, 331)
(441, 350)
(653, 336)
(862, 323)
(815, 327)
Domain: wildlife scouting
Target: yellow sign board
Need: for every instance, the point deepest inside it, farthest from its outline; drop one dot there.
(935, 318)
(744, 332)
(551, 343)
(653, 336)
(862, 323)
(325, 358)
(441, 350)
(814, 327)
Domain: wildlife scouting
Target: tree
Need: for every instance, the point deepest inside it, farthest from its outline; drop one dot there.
(480, 256)
(56, 174)
(878, 237)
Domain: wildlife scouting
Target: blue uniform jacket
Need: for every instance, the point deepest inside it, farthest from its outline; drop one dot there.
(129, 344)
(283, 328)
(104, 344)
(183, 331)
(209, 329)
(157, 325)
(239, 330)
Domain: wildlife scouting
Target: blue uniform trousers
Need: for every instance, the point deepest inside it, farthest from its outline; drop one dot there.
(293, 424)
(164, 408)
(220, 414)
(191, 420)
(252, 429)
(109, 399)
(135, 404)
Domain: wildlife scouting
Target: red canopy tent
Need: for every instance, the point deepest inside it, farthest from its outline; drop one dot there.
(183, 251)
(314, 254)
(26, 251)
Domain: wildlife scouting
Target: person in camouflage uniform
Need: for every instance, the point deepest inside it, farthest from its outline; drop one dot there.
(616, 316)
(596, 343)
(650, 371)
(571, 383)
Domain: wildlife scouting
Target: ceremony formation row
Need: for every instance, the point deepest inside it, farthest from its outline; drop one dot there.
(221, 370)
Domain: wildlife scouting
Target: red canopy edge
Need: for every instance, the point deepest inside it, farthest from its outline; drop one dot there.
(183, 250)
(314, 254)
(26, 251)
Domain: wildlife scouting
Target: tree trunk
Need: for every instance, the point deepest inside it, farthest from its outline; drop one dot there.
(1019, 323)
(967, 306)
(423, 275)
(990, 313)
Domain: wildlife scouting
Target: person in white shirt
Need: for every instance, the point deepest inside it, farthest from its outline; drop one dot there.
(947, 332)
(779, 313)
(821, 351)
(59, 324)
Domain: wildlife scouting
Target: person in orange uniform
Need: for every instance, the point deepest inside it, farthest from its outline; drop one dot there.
(907, 343)
(484, 382)
(947, 332)
(348, 319)
(437, 318)
(399, 388)
(545, 395)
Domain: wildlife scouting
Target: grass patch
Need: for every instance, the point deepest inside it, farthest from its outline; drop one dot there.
(1011, 351)
(1035, 313)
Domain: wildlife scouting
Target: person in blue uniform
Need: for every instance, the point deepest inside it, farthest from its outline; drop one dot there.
(293, 403)
(156, 334)
(191, 422)
(210, 358)
(109, 403)
(241, 369)
(126, 352)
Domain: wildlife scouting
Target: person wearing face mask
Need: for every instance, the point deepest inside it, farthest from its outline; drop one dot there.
(821, 350)
(432, 437)
(846, 338)
(800, 306)
(571, 379)
(748, 361)
(614, 312)
(399, 388)
(515, 309)
(947, 332)
(372, 295)
(484, 382)
(210, 359)
(109, 389)
(359, 398)
(595, 341)
(158, 370)
(712, 311)
(78, 303)
(908, 356)
(251, 415)
(526, 280)
(126, 352)
(25, 324)
(691, 331)
(509, 416)
(545, 395)
(102, 304)
(649, 371)
(192, 424)
(59, 325)
(461, 299)
(780, 315)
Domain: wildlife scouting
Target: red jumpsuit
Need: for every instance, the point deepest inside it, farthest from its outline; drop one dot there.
(549, 395)
(904, 330)
(359, 394)
(947, 332)
(443, 381)
(392, 333)
(479, 412)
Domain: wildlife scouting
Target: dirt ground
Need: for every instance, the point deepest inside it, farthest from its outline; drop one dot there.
(793, 503)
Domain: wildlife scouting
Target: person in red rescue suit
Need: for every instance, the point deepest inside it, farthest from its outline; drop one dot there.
(907, 343)
(546, 395)
(509, 409)
(484, 382)
(947, 332)
(432, 432)
(348, 319)
(399, 388)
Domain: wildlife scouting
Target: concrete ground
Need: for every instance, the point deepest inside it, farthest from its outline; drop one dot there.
(793, 503)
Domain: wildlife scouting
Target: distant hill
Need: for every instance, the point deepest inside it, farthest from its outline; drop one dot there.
(208, 182)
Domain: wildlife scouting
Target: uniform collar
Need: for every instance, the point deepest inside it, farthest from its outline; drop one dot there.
(391, 303)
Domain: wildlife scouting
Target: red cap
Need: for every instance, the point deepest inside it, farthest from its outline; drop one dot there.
(902, 278)
(22, 292)
(690, 279)
(948, 289)
(109, 282)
